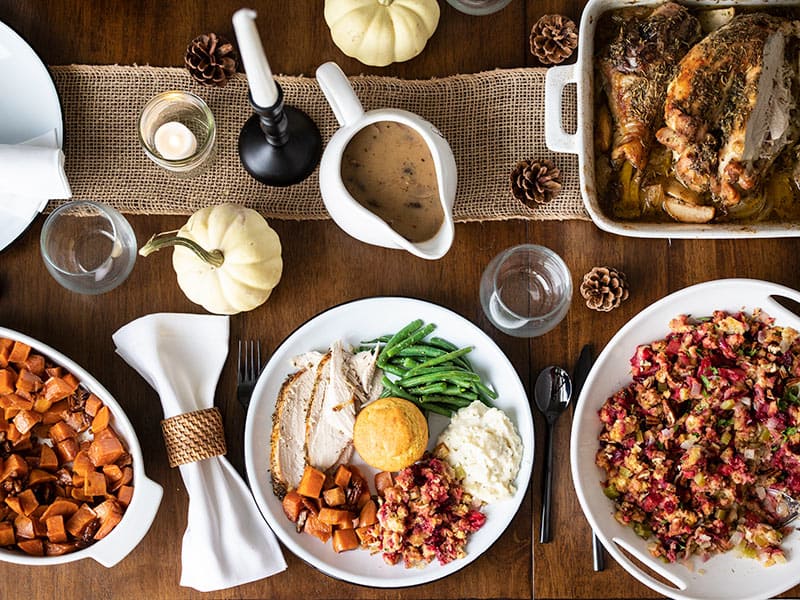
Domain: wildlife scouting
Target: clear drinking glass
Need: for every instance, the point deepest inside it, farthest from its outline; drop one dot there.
(526, 290)
(87, 247)
(188, 110)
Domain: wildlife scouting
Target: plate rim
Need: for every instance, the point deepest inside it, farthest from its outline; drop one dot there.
(696, 291)
(426, 575)
(47, 81)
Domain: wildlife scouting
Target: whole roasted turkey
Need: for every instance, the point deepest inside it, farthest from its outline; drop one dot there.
(636, 67)
(729, 108)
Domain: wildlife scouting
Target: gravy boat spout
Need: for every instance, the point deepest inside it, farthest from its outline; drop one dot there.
(351, 215)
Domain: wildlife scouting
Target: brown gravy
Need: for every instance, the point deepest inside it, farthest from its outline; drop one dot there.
(388, 169)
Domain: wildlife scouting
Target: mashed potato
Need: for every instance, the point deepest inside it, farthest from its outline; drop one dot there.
(485, 449)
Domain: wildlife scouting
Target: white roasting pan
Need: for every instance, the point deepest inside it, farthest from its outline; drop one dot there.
(580, 142)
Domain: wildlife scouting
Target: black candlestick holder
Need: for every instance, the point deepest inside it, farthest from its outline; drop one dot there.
(279, 145)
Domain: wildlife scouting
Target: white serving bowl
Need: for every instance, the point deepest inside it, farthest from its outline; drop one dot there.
(725, 576)
(581, 142)
(146, 493)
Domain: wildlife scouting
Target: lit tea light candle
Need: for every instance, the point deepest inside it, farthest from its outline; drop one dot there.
(174, 141)
(259, 74)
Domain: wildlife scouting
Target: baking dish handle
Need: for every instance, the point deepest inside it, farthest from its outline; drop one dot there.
(555, 136)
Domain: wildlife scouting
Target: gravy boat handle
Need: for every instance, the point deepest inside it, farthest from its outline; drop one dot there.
(339, 93)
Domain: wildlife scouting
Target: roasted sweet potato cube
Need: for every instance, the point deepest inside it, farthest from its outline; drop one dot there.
(334, 516)
(112, 472)
(76, 493)
(60, 506)
(342, 477)
(47, 458)
(365, 534)
(54, 371)
(127, 477)
(55, 529)
(106, 448)
(35, 363)
(32, 547)
(77, 420)
(334, 496)
(57, 388)
(57, 549)
(28, 381)
(23, 525)
(39, 476)
(383, 480)
(363, 499)
(292, 505)
(5, 350)
(61, 431)
(77, 480)
(93, 405)
(43, 405)
(110, 514)
(80, 519)
(19, 352)
(14, 466)
(317, 528)
(125, 495)
(67, 449)
(368, 514)
(7, 537)
(101, 419)
(15, 504)
(82, 463)
(28, 501)
(8, 380)
(25, 420)
(71, 380)
(344, 539)
(311, 482)
(94, 484)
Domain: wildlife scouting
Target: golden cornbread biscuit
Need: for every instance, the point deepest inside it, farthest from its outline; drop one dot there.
(390, 434)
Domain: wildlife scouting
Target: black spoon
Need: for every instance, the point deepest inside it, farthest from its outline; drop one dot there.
(552, 394)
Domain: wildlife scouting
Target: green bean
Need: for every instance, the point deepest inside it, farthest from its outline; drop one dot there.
(431, 388)
(441, 359)
(397, 391)
(421, 350)
(462, 392)
(446, 400)
(410, 340)
(482, 387)
(449, 346)
(381, 339)
(394, 370)
(398, 337)
(436, 409)
(433, 377)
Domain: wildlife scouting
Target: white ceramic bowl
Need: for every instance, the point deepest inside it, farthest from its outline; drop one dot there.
(580, 142)
(725, 576)
(146, 493)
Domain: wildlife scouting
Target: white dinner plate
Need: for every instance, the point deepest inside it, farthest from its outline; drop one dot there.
(725, 576)
(352, 323)
(29, 107)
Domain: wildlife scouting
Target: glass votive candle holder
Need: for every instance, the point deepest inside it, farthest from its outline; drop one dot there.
(479, 7)
(87, 247)
(177, 132)
(526, 290)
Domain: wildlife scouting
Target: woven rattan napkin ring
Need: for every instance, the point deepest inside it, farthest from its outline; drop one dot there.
(193, 436)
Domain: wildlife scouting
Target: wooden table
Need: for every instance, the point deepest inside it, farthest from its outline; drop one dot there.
(323, 267)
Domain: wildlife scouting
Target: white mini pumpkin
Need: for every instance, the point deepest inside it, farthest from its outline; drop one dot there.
(227, 258)
(380, 32)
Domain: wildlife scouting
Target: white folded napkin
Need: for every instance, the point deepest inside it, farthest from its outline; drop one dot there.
(227, 542)
(31, 173)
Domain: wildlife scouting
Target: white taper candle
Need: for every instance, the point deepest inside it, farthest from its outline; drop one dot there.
(259, 75)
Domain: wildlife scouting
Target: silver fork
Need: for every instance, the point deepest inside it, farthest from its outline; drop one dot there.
(247, 371)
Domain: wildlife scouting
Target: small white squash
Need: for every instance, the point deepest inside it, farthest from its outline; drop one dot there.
(380, 32)
(227, 258)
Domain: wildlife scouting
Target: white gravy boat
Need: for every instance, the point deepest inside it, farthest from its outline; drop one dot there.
(348, 214)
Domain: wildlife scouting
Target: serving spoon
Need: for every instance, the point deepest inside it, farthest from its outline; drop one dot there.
(552, 394)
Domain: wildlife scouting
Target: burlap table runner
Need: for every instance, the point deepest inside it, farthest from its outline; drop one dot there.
(490, 119)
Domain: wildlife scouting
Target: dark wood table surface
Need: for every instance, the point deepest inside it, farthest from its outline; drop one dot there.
(324, 267)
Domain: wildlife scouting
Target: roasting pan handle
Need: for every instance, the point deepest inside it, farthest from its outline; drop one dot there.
(555, 136)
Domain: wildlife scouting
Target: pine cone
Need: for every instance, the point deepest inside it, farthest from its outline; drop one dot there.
(553, 39)
(211, 59)
(604, 288)
(535, 182)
